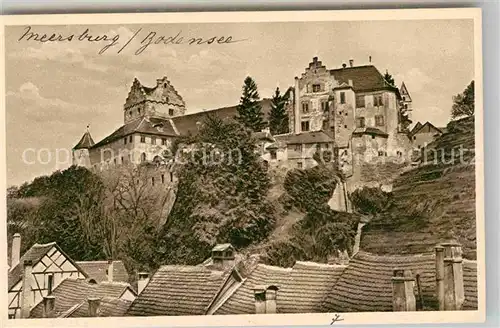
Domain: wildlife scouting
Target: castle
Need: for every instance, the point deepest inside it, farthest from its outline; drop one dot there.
(351, 111)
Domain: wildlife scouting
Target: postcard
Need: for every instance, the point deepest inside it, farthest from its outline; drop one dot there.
(243, 168)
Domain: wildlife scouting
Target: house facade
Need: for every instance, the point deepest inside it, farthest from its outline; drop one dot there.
(36, 274)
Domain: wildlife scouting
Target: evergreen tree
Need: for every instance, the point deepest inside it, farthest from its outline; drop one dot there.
(389, 79)
(249, 110)
(278, 117)
(463, 104)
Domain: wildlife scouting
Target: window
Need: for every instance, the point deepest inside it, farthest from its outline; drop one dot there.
(304, 126)
(373, 136)
(171, 177)
(305, 107)
(316, 87)
(414, 138)
(153, 140)
(170, 112)
(12, 316)
(130, 139)
(325, 124)
(379, 120)
(125, 141)
(360, 122)
(114, 161)
(360, 101)
(380, 153)
(298, 148)
(122, 159)
(406, 106)
(324, 106)
(164, 85)
(143, 139)
(163, 178)
(143, 157)
(378, 100)
(50, 283)
(345, 126)
(152, 181)
(130, 113)
(139, 111)
(299, 165)
(163, 141)
(342, 97)
(273, 154)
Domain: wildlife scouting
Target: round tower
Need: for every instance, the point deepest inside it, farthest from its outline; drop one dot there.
(81, 155)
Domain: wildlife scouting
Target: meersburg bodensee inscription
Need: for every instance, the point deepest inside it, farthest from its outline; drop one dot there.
(118, 43)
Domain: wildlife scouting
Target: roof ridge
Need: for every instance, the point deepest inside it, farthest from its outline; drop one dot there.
(317, 264)
(418, 255)
(52, 243)
(274, 267)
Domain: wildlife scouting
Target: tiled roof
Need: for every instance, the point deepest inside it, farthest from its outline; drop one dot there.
(366, 286)
(370, 130)
(85, 142)
(304, 138)
(187, 124)
(73, 292)
(425, 128)
(364, 78)
(302, 288)
(470, 285)
(243, 301)
(108, 307)
(178, 290)
(34, 254)
(97, 270)
(152, 125)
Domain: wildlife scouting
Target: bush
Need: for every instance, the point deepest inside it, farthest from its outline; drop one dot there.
(370, 200)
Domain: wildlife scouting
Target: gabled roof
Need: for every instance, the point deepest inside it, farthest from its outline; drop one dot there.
(71, 294)
(416, 127)
(301, 289)
(366, 286)
(85, 142)
(35, 254)
(370, 131)
(364, 78)
(108, 307)
(404, 92)
(178, 290)
(146, 125)
(425, 128)
(309, 137)
(97, 270)
(222, 247)
(188, 123)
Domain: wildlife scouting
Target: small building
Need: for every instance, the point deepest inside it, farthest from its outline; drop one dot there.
(100, 271)
(85, 298)
(36, 274)
(423, 134)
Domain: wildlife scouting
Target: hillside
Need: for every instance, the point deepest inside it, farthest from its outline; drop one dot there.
(433, 202)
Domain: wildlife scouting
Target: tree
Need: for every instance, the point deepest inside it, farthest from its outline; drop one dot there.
(278, 117)
(463, 103)
(389, 79)
(249, 110)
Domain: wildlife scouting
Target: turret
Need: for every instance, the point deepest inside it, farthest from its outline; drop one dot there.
(81, 156)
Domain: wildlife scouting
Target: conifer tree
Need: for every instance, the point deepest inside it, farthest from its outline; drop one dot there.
(249, 110)
(463, 103)
(389, 79)
(278, 117)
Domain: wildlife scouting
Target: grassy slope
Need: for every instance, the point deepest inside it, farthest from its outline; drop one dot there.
(432, 203)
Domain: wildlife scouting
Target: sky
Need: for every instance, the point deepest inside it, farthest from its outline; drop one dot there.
(55, 89)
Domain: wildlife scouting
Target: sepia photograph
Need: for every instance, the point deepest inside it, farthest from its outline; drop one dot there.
(239, 165)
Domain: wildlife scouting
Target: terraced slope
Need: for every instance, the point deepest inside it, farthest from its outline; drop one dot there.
(433, 202)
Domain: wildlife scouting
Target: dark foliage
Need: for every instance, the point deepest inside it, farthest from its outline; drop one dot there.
(278, 117)
(463, 103)
(249, 110)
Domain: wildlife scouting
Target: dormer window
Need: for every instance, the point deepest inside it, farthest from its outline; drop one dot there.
(170, 112)
(316, 87)
(223, 252)
(164, 85)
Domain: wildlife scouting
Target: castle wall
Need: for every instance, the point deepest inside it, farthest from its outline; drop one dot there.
(344, 116)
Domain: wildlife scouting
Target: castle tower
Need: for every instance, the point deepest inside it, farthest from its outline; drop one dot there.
(162, 100)
(81, 156)
(405, 99)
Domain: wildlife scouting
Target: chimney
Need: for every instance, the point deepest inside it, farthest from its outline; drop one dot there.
(403, 297)
(223, 256)
(142, 282)
(94, 303)
(297, 106)
(265, 299)
(110, 270)
(260, 299)
(351, 62)
(370, 59)
(48, 306)
(26, 294)
(16, 250)
(271, 293)
(453, 279)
